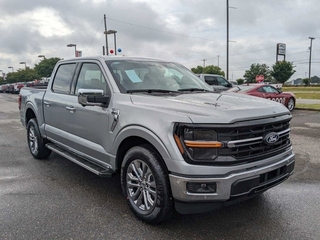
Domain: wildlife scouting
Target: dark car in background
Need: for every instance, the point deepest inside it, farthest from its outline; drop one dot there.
(217, 82)
(267, 91)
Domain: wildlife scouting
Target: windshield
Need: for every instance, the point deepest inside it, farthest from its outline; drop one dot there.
(139, 75)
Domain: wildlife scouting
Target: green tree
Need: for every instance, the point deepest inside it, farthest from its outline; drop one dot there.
(24, 75)
(240, 81)
(45, 67)
(210, 69)
(315, 79)
(257, 69)
(306, 81)
(197, 70)
(282, 71)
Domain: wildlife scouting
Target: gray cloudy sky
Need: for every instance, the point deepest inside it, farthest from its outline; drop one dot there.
(186, 31)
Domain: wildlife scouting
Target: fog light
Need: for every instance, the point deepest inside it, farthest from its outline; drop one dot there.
(204, 187)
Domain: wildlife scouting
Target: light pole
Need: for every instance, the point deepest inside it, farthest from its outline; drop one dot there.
(227, 70)
(115, 40)
(25, 65)
(311, 39)
(105, 30)
(218, 60)
(204, 62)
(228, 37)
(11, 68)
(42, 56)
(75, 48)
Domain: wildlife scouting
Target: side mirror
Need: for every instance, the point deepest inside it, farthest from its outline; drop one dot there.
(92, 97)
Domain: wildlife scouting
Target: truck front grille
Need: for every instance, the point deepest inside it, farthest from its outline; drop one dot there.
(245, 142)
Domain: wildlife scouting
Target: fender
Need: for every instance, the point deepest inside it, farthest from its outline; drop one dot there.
(139, 131)
(36, 111)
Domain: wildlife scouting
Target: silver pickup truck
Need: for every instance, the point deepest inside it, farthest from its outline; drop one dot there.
(173, 142)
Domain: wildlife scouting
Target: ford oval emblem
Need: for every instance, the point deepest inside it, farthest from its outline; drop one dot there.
(271, 138)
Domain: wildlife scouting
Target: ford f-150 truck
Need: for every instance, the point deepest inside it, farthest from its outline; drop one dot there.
(174, 143)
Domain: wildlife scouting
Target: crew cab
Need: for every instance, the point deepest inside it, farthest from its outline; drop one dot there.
(173, 142)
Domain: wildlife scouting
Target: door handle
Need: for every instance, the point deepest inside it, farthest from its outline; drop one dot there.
(48, 104)
(71, 109)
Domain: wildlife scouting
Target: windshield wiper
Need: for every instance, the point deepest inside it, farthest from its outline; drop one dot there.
(193, 90)
(150, 91)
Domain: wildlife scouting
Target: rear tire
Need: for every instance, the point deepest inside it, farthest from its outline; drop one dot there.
(36, 143)
(291, 104)
(145, 184)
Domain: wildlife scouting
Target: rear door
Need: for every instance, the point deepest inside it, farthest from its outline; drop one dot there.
(55, 101)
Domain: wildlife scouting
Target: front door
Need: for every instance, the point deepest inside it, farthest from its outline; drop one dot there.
(89, 126)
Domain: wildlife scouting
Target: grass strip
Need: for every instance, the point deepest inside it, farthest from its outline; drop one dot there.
(301, 89)
(307, 95)
(309, 106)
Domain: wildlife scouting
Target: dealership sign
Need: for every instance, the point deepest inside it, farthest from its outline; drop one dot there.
(281, 49)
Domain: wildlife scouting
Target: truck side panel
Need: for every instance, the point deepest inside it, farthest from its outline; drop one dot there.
(31, 105)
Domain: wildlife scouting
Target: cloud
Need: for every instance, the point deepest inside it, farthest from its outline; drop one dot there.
(187, 31)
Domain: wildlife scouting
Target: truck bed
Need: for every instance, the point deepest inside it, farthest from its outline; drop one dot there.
(32, 96)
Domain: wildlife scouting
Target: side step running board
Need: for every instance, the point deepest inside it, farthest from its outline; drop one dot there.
(97, 169)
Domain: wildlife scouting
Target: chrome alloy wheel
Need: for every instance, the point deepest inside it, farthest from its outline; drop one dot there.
(291, 104)
(33, 141)
(141, 186)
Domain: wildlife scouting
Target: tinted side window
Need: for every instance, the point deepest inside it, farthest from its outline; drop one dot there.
(91, 77)
(63, 78)
(270, 89)
(211, 80)
(223, 82)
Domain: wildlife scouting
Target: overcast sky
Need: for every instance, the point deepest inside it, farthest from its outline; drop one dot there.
(186, 31)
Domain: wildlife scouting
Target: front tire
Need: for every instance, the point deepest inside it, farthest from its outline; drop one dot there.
(291, 104)
(36, 142)
(145, 184)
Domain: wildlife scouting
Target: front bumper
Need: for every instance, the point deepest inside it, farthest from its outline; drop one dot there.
(235, 185)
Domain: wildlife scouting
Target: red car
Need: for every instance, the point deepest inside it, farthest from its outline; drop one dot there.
(267, 91)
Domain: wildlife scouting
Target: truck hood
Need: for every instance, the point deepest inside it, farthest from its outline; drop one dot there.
(212, 107)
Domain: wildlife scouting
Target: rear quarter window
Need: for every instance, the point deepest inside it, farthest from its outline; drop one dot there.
(63, 78)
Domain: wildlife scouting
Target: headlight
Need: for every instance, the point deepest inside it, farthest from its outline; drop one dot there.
(197, 144)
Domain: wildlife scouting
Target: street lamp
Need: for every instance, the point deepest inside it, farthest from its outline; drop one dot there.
(310, 48)
(11, 68)
(43, 56)
(75, 48)
(115, 40)
(228, 38)
(25, 65)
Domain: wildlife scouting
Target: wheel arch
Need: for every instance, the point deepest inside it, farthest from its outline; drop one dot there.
(30, 113)
(131, 137)
(34, 111)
